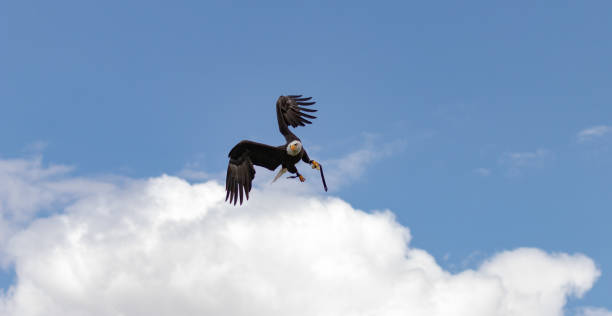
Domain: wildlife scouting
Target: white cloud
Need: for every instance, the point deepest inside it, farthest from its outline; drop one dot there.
(165, 247)
(28, 188)
(532, 281)
(593, 132)
(593, 311)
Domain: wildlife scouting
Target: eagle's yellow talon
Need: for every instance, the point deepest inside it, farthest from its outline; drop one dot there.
(302, 179)
(315, 165)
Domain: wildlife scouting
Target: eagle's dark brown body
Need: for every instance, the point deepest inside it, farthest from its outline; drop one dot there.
(240, 171)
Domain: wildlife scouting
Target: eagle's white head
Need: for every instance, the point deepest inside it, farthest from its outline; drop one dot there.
(294, 148)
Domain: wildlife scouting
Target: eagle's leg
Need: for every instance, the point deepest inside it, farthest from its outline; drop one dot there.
(302, 179)
(297, 174)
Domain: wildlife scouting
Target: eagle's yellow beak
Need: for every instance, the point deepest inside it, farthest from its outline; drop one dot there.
(292, 147)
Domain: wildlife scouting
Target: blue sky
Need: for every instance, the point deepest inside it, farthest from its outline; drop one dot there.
(479, 106)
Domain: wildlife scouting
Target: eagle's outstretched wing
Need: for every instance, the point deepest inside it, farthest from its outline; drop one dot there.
(290, 111)
(240, 170)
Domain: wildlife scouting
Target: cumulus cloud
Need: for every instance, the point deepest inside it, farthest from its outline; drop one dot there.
(593, 132)
(163, 246)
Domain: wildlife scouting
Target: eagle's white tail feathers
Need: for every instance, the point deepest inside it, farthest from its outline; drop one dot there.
(279, 174)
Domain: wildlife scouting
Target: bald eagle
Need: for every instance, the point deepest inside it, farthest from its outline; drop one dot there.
(291, 110)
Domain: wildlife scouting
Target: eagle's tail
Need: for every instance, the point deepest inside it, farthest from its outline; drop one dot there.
(279, 174)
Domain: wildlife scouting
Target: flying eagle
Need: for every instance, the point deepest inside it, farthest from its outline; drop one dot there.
(290, 110)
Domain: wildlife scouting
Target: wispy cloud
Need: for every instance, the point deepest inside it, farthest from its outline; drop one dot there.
(193, 171)
(339, 171)
(36, 147)
(516, 161)
(345, 169)
(593, 132)
(485, 172)
(27, 185)
(525, 159)
(593, 311)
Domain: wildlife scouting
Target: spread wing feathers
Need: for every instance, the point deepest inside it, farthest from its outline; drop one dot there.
(294, 108)
(240, 170)
(239, 179)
